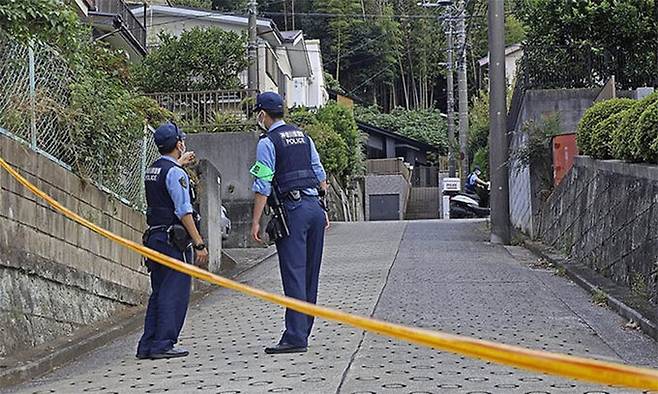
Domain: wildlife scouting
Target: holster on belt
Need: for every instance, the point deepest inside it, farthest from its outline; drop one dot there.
(178, 237)
(277, 228)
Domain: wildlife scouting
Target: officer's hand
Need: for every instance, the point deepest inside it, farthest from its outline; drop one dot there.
(255, 232)
(187, 158)
(327, 222)
(202, 257)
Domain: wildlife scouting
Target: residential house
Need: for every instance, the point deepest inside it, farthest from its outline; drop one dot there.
(287, 63)
(113, 22)
(385, 144)
(311, 92)
(513, 54)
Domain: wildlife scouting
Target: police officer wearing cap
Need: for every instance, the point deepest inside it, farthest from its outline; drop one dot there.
(291, 168)
(173, 232)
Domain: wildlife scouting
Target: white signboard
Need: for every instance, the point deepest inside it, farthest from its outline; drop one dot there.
(451, 185)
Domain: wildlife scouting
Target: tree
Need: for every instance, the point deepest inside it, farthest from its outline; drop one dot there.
(582, 43)
(199, 59)
(229, 5)
(340, 27)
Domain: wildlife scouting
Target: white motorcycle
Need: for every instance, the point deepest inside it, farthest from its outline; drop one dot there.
(468, 206)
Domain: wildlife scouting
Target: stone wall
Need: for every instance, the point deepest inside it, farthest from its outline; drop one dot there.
(56, 276)
(604, 215)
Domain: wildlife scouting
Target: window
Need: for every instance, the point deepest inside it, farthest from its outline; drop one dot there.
(270, 65)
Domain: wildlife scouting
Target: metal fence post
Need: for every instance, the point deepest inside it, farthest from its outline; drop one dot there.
(142, 167)
(33, 89)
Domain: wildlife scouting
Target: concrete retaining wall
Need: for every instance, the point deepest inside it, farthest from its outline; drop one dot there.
(604, 215)
(56, 276)
(232, 154)
(525, 183)
(387, 184)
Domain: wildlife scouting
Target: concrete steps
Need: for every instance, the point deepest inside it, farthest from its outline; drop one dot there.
(423, 203)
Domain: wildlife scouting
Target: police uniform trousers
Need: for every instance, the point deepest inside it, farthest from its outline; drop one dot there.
(170, 295)
(300, 255)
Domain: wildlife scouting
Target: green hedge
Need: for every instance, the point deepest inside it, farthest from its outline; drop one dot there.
(646, 136)
(596, 114)
(601, 146)
(621, 129)
(623, 136)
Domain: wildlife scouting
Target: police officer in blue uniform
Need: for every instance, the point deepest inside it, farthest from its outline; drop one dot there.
(172, 231)
(297, 177)
(473, 181)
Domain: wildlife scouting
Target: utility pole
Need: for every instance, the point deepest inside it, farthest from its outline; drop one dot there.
(450, 88)
(498, 144)
(252, 75)
(450, 111)
(293, 13)
(462, 83)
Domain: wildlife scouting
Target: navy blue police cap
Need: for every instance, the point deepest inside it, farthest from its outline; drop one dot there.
(167, 135)
(269, 102)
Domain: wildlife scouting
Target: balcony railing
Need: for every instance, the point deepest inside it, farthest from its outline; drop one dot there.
(211, 109)
(132, 24)
(394, 166)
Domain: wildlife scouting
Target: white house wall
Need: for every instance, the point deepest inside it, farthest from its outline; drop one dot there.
(311, 91)
(175, 26)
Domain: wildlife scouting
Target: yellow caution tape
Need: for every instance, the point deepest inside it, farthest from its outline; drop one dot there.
(546, 362)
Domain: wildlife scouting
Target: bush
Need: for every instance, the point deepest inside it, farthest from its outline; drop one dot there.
(334, 131)
(342, 121)
(601, 138)
(622, 138)
(333, 150)
(646, 135)
(199, 59)
(593, 116)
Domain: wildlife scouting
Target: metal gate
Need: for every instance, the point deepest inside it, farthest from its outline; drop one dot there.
(384, 207)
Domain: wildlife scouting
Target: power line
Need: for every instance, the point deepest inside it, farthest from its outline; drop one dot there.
(370, 79)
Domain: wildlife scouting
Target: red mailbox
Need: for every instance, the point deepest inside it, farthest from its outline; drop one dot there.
(564, 151)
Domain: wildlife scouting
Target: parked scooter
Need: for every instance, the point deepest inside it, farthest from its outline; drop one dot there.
(467, 205)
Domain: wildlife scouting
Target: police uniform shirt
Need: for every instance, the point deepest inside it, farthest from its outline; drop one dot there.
(178, 186)
(265, 154)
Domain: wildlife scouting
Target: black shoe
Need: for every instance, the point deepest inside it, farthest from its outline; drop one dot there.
(143, 356)
(285, 348)
(171, 353)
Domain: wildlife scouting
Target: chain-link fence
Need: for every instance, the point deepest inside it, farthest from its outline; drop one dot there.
(34, 98)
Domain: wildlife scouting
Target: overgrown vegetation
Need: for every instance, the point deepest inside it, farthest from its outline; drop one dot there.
(104, 113)
(535, 152)
(425, 125)
(599, 297)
